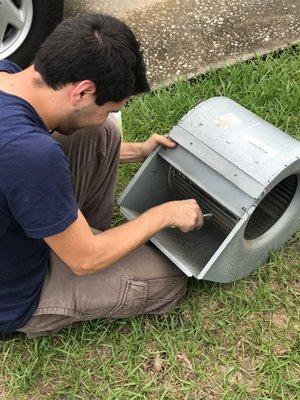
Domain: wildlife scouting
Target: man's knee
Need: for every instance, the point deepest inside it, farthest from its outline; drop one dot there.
(84, 143)
(113, 129)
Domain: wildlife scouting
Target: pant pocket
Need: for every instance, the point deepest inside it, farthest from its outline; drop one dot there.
(132, 301)
(164, 293)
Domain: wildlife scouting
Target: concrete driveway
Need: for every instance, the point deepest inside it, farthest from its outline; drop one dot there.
(182, 38)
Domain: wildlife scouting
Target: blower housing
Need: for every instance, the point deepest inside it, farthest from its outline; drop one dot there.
(239, 168)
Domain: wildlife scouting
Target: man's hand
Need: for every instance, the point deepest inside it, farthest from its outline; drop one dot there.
(185, 215)
(153, 142)
(138, 152)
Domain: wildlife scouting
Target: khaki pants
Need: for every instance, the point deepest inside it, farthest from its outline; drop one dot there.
(143, 282)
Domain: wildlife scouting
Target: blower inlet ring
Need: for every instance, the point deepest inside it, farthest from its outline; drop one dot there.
(271, 208)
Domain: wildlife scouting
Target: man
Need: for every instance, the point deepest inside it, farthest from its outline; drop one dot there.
(60, 261)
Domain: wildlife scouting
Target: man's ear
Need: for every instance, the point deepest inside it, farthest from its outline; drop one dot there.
(82, 93)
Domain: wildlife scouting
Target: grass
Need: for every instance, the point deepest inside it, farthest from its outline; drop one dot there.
(235, 341)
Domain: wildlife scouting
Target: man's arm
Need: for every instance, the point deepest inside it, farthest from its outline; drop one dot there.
(86, 253)
(138, 152)
(131, 152)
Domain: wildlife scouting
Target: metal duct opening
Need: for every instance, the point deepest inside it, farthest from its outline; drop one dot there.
(180, 184)
(271, 208)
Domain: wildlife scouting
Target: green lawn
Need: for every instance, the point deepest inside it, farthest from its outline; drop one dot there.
(235, 341)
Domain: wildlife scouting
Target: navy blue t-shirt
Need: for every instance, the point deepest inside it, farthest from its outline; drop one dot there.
(36, 201)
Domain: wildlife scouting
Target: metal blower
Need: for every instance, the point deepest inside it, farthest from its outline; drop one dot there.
(241, 170)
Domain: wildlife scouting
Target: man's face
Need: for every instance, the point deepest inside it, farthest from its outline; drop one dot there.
(84, 112)
(87, 116)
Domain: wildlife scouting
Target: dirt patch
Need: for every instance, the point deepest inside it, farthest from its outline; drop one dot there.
(280, 319)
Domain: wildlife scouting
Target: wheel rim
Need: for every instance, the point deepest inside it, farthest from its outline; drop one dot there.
(15, 23)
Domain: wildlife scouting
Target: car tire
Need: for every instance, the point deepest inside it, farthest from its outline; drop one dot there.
(46, 15)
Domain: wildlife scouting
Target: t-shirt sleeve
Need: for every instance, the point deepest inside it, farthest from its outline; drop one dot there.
(38, 187)
(9, 66)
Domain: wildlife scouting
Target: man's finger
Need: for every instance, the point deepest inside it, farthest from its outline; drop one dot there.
(165, 141)
(200, 219)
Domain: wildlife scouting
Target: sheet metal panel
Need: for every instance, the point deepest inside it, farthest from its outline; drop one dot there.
(245, 140)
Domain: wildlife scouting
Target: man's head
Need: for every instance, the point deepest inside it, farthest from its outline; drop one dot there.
(95, 62)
